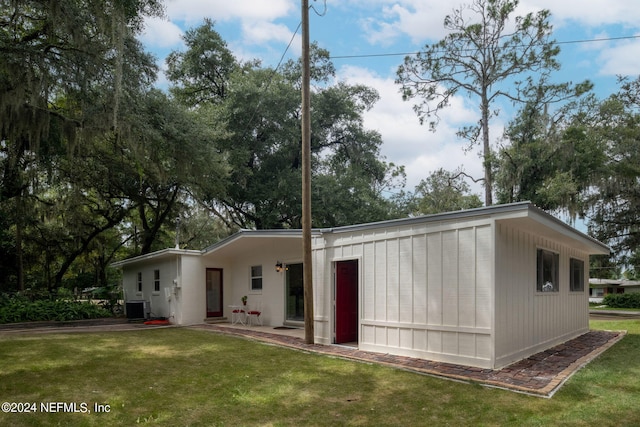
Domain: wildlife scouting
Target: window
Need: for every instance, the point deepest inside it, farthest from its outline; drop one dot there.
(256, 278)
(139, 281)
(156, 280)
(548, 263)
(577, 275)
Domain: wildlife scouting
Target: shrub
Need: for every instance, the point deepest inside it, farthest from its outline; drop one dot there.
(629, 300)
(18, 308)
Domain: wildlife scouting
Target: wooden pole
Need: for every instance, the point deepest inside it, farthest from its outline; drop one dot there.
(306, 179)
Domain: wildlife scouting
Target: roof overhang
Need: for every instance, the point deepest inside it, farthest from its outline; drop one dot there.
(252, 240)
(613, 282)
(155, 256)
(523, 215)
(540, 223)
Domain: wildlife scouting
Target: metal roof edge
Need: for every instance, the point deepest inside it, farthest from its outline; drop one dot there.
(595, 242)
(285, 232)
(616, 282)
(154, 255)
(525, 208)
(445, 216)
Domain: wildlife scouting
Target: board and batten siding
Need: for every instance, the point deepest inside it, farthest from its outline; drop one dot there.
(426, 290)
(528, 321)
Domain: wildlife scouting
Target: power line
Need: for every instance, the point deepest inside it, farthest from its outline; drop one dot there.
(295, 33)
(604, 39)
(320, 14)
(382, 55)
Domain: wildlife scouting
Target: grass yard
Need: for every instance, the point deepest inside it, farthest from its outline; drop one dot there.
(606, 308)
(182, 377)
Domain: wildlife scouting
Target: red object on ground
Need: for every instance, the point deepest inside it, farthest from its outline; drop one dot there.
(157, 322)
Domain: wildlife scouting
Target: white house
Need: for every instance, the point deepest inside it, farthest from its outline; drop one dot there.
(481, 287)
(599, 288)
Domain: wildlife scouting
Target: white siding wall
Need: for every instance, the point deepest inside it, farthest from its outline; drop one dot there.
(190, 301)
(186, 304)
(237, 278)
(160, 305)
(425, 290)
(528, 321)
(322, 293)
(129, 283)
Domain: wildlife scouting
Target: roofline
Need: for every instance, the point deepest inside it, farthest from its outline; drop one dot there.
(277, 233)
(521, 209)
(466, 213)
(154, 255)
(604, 248)
(614, 282)
(525, 208)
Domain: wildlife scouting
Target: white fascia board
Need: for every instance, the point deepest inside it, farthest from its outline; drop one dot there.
(154, 255)
(548, 220)
(243, 234)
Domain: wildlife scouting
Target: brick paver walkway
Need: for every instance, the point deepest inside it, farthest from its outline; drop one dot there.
(541, 374)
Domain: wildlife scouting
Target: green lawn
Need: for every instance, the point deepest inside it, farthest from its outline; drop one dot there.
(607, 308)
(180, 377)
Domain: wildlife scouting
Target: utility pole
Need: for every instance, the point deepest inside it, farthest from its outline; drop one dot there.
(307, 274)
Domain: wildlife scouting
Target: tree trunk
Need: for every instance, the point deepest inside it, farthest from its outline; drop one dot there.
(486, 155)
(150, 232)
(19, 252)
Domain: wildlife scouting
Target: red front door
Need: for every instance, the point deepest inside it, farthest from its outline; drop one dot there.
(214, 292)
(346, 301)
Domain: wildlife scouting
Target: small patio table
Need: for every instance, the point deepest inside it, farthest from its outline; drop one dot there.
(237, 314)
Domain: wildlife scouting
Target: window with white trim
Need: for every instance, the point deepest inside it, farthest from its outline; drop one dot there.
(576, 279)
(156, 280)
(548, 264)
(256, 278)
(140, 281)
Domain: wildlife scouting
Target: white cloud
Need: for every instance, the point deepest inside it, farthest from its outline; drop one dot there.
(386, 21)
(191, 11)
(422, 20)
(254, 21)
(589, 12)
(408, 143)
(262, 32)
(161, 33)
(622, 58)
(418, 19)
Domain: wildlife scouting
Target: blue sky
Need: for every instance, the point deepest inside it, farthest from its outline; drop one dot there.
(263, 28)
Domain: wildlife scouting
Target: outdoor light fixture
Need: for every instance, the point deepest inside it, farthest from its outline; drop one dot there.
(279, 267)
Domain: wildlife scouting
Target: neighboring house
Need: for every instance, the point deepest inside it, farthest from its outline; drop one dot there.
(480, 287)
(599, 288)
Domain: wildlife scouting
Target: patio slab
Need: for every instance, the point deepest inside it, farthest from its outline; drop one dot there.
(540, 375)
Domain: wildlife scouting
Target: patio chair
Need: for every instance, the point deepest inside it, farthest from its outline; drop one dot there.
(237, 314)
(253, 314)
